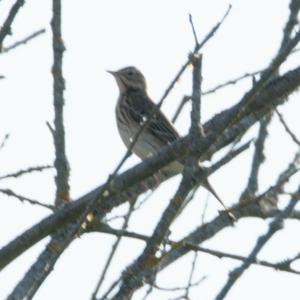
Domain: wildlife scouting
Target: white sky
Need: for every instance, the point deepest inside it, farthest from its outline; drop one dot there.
(156, 37)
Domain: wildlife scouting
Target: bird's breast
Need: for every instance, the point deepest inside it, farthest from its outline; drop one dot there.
(129, 128)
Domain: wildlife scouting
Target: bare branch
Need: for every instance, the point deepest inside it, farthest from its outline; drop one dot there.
(207, 231)
(132, 277)
(213, 31)
(291, 23)
(128, 182)
(39, 270)
(119, 192)
(6, 27)
(228, 157)
(236, 114)
(26, 171)
(51, 129)
(5, 139)
(10, 193)
(268, 199)
(24, 40)
(184, 288)
(257, 161)
(185, 245)
(195, 130)
(61, 161)
(113, 250)
(193, 30)
(170, 87)
(138, 205)
(111, 288)
(230, 82)
(189, 285)
(184, 100)
(274, 226)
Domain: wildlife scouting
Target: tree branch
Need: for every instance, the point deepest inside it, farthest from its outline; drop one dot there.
(24, 40)
(6, 27)
(272, 95)
(61, 162)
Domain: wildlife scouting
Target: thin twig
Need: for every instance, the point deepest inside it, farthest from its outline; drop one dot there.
(113, 250)
(274, 226)
(193, 29)
(51, 129)
(23, 41)
(26, 171)
(286, 37)
(148, 291)
(189, 285)
(228, 157)
(175, 289)
(110, 289)
(5, 139)
(257, 160)
(280, 266)
(6, 27)
(10, 193)
(146, 198)
(230, 82)
(213, 30)
(240, 110)
(138, 205)
(184, 100)
(186, 244)
(188, 199)
(238, 78)
(268, 198)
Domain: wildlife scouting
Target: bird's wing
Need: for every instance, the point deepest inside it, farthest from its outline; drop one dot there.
(140, 107)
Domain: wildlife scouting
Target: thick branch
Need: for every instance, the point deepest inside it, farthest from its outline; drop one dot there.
(272, 95)
(61, 162)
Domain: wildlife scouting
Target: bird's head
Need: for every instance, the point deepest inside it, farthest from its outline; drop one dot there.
(129, 78)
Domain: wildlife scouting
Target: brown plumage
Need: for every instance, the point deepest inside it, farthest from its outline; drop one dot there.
(133, 108)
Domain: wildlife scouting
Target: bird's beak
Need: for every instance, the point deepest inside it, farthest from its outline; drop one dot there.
(111, 72)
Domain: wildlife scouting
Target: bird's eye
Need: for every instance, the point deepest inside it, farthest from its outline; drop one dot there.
(130, 72)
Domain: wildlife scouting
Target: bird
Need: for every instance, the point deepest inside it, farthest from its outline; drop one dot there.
(133, 108)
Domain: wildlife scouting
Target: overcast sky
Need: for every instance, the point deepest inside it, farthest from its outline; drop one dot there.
(156, 37)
